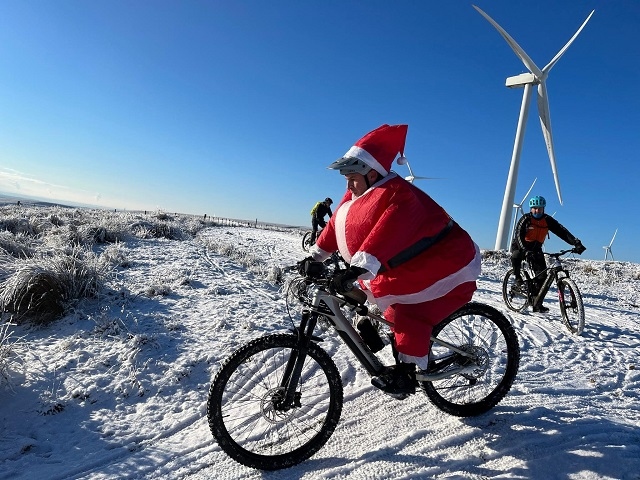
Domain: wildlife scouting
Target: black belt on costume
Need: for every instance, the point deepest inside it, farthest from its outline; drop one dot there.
(417, 248)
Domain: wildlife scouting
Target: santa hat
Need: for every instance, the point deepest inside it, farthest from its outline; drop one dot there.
(379, 148)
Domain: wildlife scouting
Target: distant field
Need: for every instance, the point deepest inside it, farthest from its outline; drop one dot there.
(12, 199)
(6, 199)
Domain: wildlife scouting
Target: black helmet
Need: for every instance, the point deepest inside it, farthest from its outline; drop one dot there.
(328, 200)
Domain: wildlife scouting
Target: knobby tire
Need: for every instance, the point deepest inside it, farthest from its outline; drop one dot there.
(242, 405)
(516, 298)
(571, 305)
(306, 241)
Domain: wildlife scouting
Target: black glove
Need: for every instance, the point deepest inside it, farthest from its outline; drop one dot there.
(578, 247)
(303, 265)
(343, 281)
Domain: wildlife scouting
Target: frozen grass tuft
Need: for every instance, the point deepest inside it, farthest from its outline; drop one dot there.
(157, 290)
(158, 229)
(115, 255)
(11, 362)
(17, 245)
(43, 288)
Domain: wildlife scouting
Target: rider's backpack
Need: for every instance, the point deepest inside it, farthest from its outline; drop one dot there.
(315, 209)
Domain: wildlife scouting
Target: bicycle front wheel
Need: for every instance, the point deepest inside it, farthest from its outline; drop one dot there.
(488, 336)
(246, 413)
(306, 241)
(571, 305)
(514, 294)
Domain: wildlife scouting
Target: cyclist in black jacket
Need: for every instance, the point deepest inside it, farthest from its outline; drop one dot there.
(528, 237)
(318, 213)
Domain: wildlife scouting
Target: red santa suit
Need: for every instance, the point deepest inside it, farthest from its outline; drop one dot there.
(421, 265)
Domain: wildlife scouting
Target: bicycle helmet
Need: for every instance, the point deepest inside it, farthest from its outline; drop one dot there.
(538, 202)
(348, 165)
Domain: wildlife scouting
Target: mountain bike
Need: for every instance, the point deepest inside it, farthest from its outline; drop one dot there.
(519, 295)
(277, 400)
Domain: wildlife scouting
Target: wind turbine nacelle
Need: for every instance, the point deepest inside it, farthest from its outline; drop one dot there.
(521, 80)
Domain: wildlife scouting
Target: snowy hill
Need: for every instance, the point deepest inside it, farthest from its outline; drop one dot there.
(118, 387)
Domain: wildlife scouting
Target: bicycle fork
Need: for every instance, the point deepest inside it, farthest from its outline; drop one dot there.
(289, 396)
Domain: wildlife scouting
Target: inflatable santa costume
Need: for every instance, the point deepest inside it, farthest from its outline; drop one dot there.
(420, 264)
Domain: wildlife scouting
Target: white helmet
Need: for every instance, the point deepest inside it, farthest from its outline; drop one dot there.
(348, 165)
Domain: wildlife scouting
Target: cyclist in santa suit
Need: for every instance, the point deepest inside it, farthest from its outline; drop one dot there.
(410, 257)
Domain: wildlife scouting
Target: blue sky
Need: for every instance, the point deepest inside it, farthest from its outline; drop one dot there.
(235, 108)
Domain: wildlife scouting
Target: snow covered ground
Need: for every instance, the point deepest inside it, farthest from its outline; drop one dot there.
(118, 388)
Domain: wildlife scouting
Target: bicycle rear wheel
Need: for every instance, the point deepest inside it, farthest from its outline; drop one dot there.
(306, 241)
(487, 334)
(516, 296)
(245, 409)
(571, 305)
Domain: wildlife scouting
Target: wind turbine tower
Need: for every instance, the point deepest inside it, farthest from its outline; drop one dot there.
(527, 80)
(607, 249)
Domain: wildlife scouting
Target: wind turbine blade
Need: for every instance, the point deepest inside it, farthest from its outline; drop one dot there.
(554, 60)
(528, 192)
(410, 171)
(545, 123)
(533, 68)
(614, 237)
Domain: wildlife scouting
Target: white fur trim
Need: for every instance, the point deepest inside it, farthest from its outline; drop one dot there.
(421, 362)
(468, 273)
(340, 223)
(318, 254)
(368, 262)
(366, 157)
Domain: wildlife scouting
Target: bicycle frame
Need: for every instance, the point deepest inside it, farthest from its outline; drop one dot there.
(551, 273)
(324, 304)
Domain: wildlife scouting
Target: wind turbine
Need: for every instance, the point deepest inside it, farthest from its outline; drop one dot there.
(517, 207)
(607, 249)
(411, 177)
(527, 80)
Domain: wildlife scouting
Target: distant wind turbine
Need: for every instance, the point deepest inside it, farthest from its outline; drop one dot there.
(607, 249)
(517, 208)
(527, 80)
(411, 177)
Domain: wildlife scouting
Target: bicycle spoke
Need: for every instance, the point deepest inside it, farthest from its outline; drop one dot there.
(488, 368)
(248, 413)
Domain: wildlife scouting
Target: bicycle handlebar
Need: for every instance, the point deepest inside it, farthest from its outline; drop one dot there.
(323, 277)
(561, 252)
